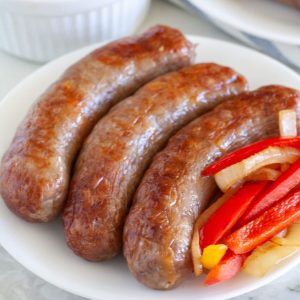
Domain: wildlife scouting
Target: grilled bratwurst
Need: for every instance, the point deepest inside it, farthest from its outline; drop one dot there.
(35, 170)
(121, 146)
(158, 230)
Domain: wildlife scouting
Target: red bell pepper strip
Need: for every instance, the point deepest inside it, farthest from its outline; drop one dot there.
(264, 227)
(229, 213)
(277, 190)
(228, 267)
(242, 153)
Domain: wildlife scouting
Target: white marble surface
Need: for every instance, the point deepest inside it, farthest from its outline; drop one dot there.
(16, 283)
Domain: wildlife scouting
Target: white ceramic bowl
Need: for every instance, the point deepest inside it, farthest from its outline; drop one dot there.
(267, 25)
(40, 30)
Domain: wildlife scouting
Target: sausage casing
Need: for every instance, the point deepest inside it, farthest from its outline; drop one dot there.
(121, 145)
(35, 170)
(159, 226)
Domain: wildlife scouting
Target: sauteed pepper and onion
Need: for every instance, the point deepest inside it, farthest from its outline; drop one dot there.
(255, 224)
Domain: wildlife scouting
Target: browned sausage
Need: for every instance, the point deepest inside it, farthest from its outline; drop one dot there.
(159, 226)
(122, 144)
(35, 170)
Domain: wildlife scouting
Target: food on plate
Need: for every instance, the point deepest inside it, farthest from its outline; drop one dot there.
(121, 145)
(266, 256)
(287, 123)
(291, 236)
(212, 255)
(35, 170)
(103, 123)
(247, 151)
(202, 219)
(159, 227)
(265, 173)
(262, 228)
(226, 269)
(223, 220)
(252, 223)
(231, 175)
(287, 181)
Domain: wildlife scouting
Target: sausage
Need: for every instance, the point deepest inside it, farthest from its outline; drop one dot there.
(159, 226)
(35, 170)
(121, 146)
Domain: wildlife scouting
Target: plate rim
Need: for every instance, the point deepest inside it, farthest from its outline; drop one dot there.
(80, 53)
(270, 35)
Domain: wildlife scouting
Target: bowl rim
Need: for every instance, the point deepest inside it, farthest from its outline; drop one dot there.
(54, 8)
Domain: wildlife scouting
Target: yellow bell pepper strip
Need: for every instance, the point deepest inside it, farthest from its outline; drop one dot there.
(203, 217)
(247, 151)
(229, 213)
(267, 225)
(212, 255)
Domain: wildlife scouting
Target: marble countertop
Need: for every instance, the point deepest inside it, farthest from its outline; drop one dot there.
(16, 283)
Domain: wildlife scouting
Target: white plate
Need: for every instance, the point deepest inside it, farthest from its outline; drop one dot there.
(267, 19)
(41, 247)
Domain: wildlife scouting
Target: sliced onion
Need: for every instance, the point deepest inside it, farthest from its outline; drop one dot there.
(195, 246)
(288, 123)
(265, 256)
(282, 233)
(233, 174)
(275, 167)
(206, 214)
(196, 254)
(264, 173)
(292, 237)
